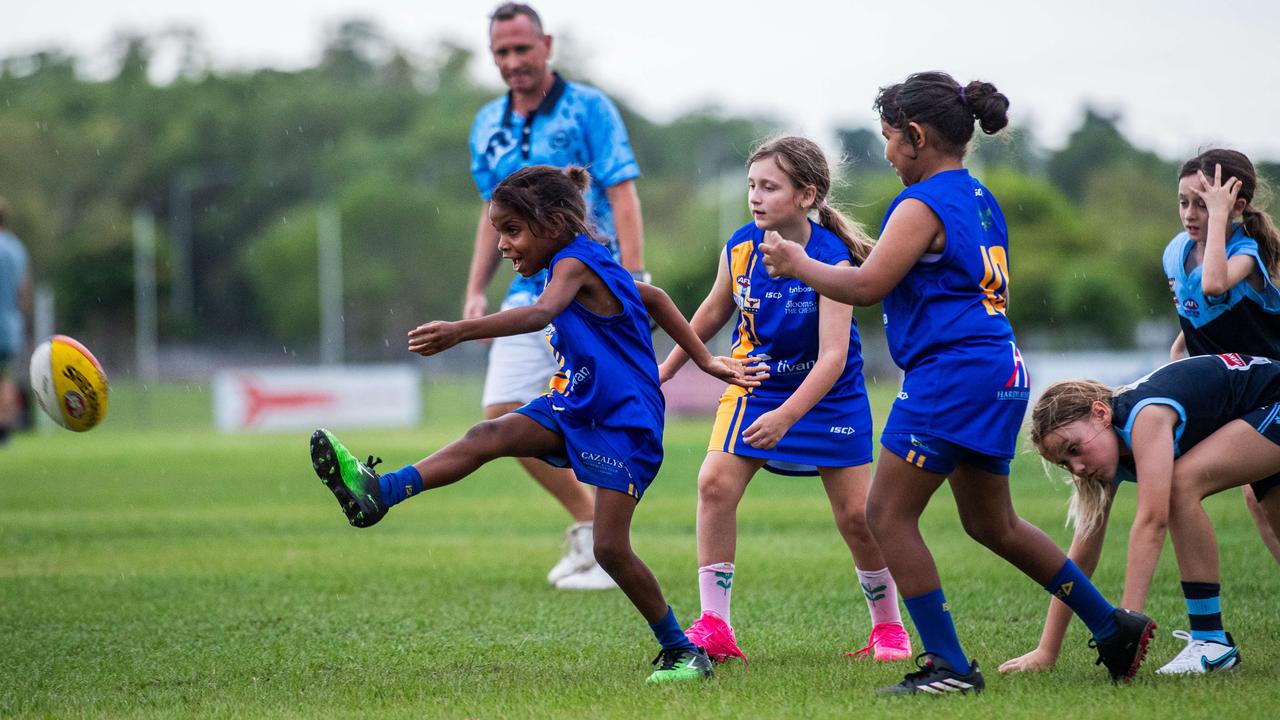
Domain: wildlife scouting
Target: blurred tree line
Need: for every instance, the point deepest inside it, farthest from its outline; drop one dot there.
(236, 164)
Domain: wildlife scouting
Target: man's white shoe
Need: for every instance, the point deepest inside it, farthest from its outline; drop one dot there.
(579, 553)
(593, 578)
(1202, 656)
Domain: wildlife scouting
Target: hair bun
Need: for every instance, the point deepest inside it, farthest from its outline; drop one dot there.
(579, 176)
(988, 105)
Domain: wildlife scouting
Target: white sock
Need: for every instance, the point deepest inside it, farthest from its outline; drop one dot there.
(881, 593)
(715, 585)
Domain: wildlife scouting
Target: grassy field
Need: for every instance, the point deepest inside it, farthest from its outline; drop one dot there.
(155, 568)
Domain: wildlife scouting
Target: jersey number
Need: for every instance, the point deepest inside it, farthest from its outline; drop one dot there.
(995, 279)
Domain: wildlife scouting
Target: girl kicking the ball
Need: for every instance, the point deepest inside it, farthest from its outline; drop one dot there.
(604, 415)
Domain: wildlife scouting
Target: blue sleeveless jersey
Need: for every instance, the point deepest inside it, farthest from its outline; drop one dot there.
(576, 124)
(965, 380)
(778, 322)
(1207, 391)
(1244, 319)
(605, 400)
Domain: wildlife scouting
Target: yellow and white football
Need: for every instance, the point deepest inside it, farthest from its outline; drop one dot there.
(69, 383)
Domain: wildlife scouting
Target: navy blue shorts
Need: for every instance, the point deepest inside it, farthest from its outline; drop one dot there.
(1265, 420)
(622, 459)
(940, 456)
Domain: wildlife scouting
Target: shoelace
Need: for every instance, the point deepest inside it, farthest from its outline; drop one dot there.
(669, 657)
(926, 667)
(372, 462)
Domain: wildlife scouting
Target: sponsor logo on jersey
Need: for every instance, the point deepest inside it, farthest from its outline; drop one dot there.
(801, 307)
(773, 295)
(579, 376)
(602, 462)
(785, 368)
(1020, 379)
(750, 305)
(1234, 362)
(799, 288)
(917, 442)
(902, 395)
(843, 430)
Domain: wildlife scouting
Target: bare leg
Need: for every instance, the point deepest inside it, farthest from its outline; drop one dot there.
(1266, 523)
(986, 510)
(614, 511)
(721, 482)
(511, 435)
(847, 489)
(1234, 455)
(898, 495)
(576, 497)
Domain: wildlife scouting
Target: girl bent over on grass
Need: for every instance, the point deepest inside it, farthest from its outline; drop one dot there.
(941, 266)
(1190, 429)
(604, 414)
(811, 417)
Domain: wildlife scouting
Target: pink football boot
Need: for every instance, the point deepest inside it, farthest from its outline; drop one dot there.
(889, 641)
(716, 637)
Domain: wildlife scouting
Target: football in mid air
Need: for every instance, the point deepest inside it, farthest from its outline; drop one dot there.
(69, 383)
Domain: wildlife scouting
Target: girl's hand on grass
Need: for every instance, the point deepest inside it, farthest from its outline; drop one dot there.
(1035, 661)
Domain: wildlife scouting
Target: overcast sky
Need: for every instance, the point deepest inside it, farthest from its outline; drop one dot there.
(1182, 73)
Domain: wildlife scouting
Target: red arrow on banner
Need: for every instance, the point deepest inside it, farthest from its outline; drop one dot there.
(261, 401)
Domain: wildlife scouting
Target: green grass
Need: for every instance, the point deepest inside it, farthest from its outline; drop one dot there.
(154, 568)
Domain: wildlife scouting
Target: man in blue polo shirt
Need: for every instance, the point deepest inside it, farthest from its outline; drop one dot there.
(546, 120)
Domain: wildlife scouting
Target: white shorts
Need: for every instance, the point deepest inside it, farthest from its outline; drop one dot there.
(520, 369)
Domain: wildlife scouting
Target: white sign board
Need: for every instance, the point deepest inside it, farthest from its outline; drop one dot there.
(351, 396)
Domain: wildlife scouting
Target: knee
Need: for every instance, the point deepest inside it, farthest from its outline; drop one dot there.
(994, 533)
(852, 518)
(610, 551)
(876, 516)
(482, 438)
(1186, 485)
(716, 490)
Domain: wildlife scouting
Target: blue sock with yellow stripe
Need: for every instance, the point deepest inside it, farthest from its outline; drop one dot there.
(1072, 587)
(1204, 610)
(932, 618)
(400, 485)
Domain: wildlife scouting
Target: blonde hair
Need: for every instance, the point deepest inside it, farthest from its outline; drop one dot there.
(1063, 403)
(805, 164)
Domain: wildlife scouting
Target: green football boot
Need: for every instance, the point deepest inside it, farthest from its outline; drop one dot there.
(679, 665)
(354, 483)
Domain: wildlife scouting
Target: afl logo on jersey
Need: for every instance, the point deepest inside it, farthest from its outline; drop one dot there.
(1190, 305)
(744, 282)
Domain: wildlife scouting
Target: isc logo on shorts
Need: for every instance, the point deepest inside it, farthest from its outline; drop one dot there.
(843, 430)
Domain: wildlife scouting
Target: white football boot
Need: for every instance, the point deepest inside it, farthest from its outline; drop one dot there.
(1202, 656)
(593, 578)
(578, 554)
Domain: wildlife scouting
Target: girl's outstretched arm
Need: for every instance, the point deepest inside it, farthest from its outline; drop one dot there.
(1153, 458)
(711, 315)
(440, 335)
(668, 317)
(1085, 550)
(910, 232)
